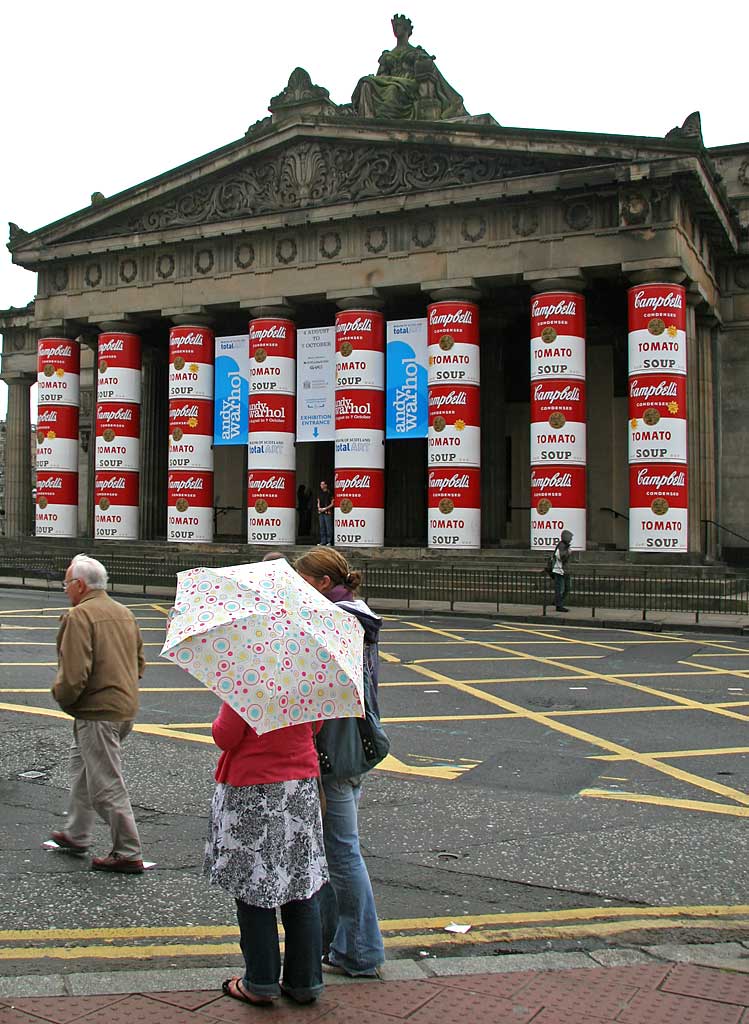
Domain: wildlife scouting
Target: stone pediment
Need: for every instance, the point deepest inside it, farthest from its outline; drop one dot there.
(307, 174)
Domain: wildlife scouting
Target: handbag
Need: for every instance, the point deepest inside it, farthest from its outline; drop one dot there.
(347, 747)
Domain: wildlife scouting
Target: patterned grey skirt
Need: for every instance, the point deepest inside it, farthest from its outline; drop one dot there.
(265, 843)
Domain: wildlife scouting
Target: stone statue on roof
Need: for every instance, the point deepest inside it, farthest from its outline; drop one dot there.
(408, 85)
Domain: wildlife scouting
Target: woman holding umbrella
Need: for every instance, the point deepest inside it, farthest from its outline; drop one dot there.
(265, 848)
(350, 930)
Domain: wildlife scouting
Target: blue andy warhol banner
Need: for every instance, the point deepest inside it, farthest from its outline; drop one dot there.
(231, 398)
(406, 398)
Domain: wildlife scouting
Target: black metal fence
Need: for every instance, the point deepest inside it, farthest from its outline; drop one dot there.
(409, 583)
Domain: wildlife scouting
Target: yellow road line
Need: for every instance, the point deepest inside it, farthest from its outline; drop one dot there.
(660, 801)
(161, 608)
(564, 640)
(716, 751)
(586, 737)
(389, 657)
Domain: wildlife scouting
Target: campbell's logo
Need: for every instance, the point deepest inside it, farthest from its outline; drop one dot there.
(357, 482)
(192, 483)
(186, 340)
(277, 332)
(114, 483)
(46, 416)
(549, 480)
(262, 411)
(53, 483)
(673, 300)
(361, 323)
(448, 483)
(184, 412)
(453, 398)
(113, 345)
(570, 393)
(347, 407)
(61, 351)
(647, 478)
(565, 307)
(439, 318)
(663, 389)
(108, 415)
(266, 483)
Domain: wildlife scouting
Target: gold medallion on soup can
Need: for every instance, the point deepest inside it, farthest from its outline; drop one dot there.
(104, 504)
(659, 506)
(108, 435)
(177, 434)
(346, 506)
(446, 342)
(179, 363)
(543, 506)
(49, 370)
(103, 366)
(548, 334)
(557, 420)
(346, 349)
(651, 417)
(182, 504)
(439, 423)
(446, 505)
(260, 355)
(261, 505)
(656, 326)
(43, 502)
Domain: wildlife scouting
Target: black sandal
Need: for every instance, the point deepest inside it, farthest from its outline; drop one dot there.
(233, 988)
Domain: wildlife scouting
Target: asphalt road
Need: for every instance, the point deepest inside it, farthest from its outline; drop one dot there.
(564, 785)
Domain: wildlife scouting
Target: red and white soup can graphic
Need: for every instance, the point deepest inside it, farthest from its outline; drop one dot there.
(118, 368)
(272, 356)
(658, 516)
(454, 508)
(653, 397)
(190, 434)
(116, 512)
(118, 436)
(557, 503)
(191, 353)
(58, 371)
(558, 336)
(57, 438)
(56, 504)
(359, 511)
(562, 446)
(657, 329)
(189, 506)
(557, 402)
(359, 330)
(454, 435)
(272, 432)
(452, 344)
(356, 410)
(271, 506)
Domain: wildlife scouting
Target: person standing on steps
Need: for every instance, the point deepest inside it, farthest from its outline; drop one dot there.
(100, 662)
(559, 573)
(325, 513)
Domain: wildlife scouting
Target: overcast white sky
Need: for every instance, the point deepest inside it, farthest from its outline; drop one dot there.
(99, 96)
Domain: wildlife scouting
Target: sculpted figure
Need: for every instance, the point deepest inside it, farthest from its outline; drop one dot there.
(407, 85)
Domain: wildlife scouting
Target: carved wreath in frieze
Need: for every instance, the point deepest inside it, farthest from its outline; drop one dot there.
(316, 174)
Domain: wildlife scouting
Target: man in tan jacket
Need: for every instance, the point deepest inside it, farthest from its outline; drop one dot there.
(100, 660)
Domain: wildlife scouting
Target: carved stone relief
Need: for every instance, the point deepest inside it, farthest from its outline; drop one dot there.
(424, 234)
(59, 279)
(128, 270)
(525, 221)
(286, 250)
(578, 214)
(376, 240)
(473, 228)
(244, 255)
(165, 265)
(204, 261)
(92, 275)
(634, 209)
(330, 245)
(318, 174)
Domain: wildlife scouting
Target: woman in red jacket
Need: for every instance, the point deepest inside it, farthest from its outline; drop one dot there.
(265, 848)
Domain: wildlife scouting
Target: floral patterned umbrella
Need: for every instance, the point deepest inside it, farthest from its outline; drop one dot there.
(268, 644)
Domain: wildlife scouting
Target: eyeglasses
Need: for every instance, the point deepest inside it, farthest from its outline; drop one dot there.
(66, 583)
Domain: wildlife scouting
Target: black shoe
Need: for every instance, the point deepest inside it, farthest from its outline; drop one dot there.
(562, 609)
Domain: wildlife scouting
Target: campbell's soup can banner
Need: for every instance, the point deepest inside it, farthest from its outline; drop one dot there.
(189, 506)
(359, 511)
(118, 436)
(190, 434)
(271, 435)
(558, 402)
(271, 506)
(116, 514)
(453, 349)
(118, 368)
(657, 329)
(657, 418)
(564, 445)
(359, 410)
(56, 504)
(272, 357)
(58, 372)
(665, 440)
(558, 336)
(356, 448)
(116, 497)
(57, 438)
(454, 321)
(360, 350)
(191, 354)
(658, 518)
(454, 436)
(454, 508)
(557, 503)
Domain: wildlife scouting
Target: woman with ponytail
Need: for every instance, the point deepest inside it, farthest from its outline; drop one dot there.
(351, 934)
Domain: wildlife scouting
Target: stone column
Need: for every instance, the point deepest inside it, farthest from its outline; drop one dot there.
(19, 520)
(154, 444)
(359, 510)
(558, 409)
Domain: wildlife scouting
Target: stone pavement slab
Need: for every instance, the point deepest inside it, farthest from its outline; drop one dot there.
(656, 992)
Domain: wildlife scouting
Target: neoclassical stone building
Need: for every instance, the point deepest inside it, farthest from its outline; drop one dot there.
(393, 202)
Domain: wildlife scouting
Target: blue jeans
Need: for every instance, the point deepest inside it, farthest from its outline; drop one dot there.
(561, 588)
(350, 932)
(326, 529)
(258, 939)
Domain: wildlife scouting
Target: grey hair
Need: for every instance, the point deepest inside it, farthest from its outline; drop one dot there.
(89, 571)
